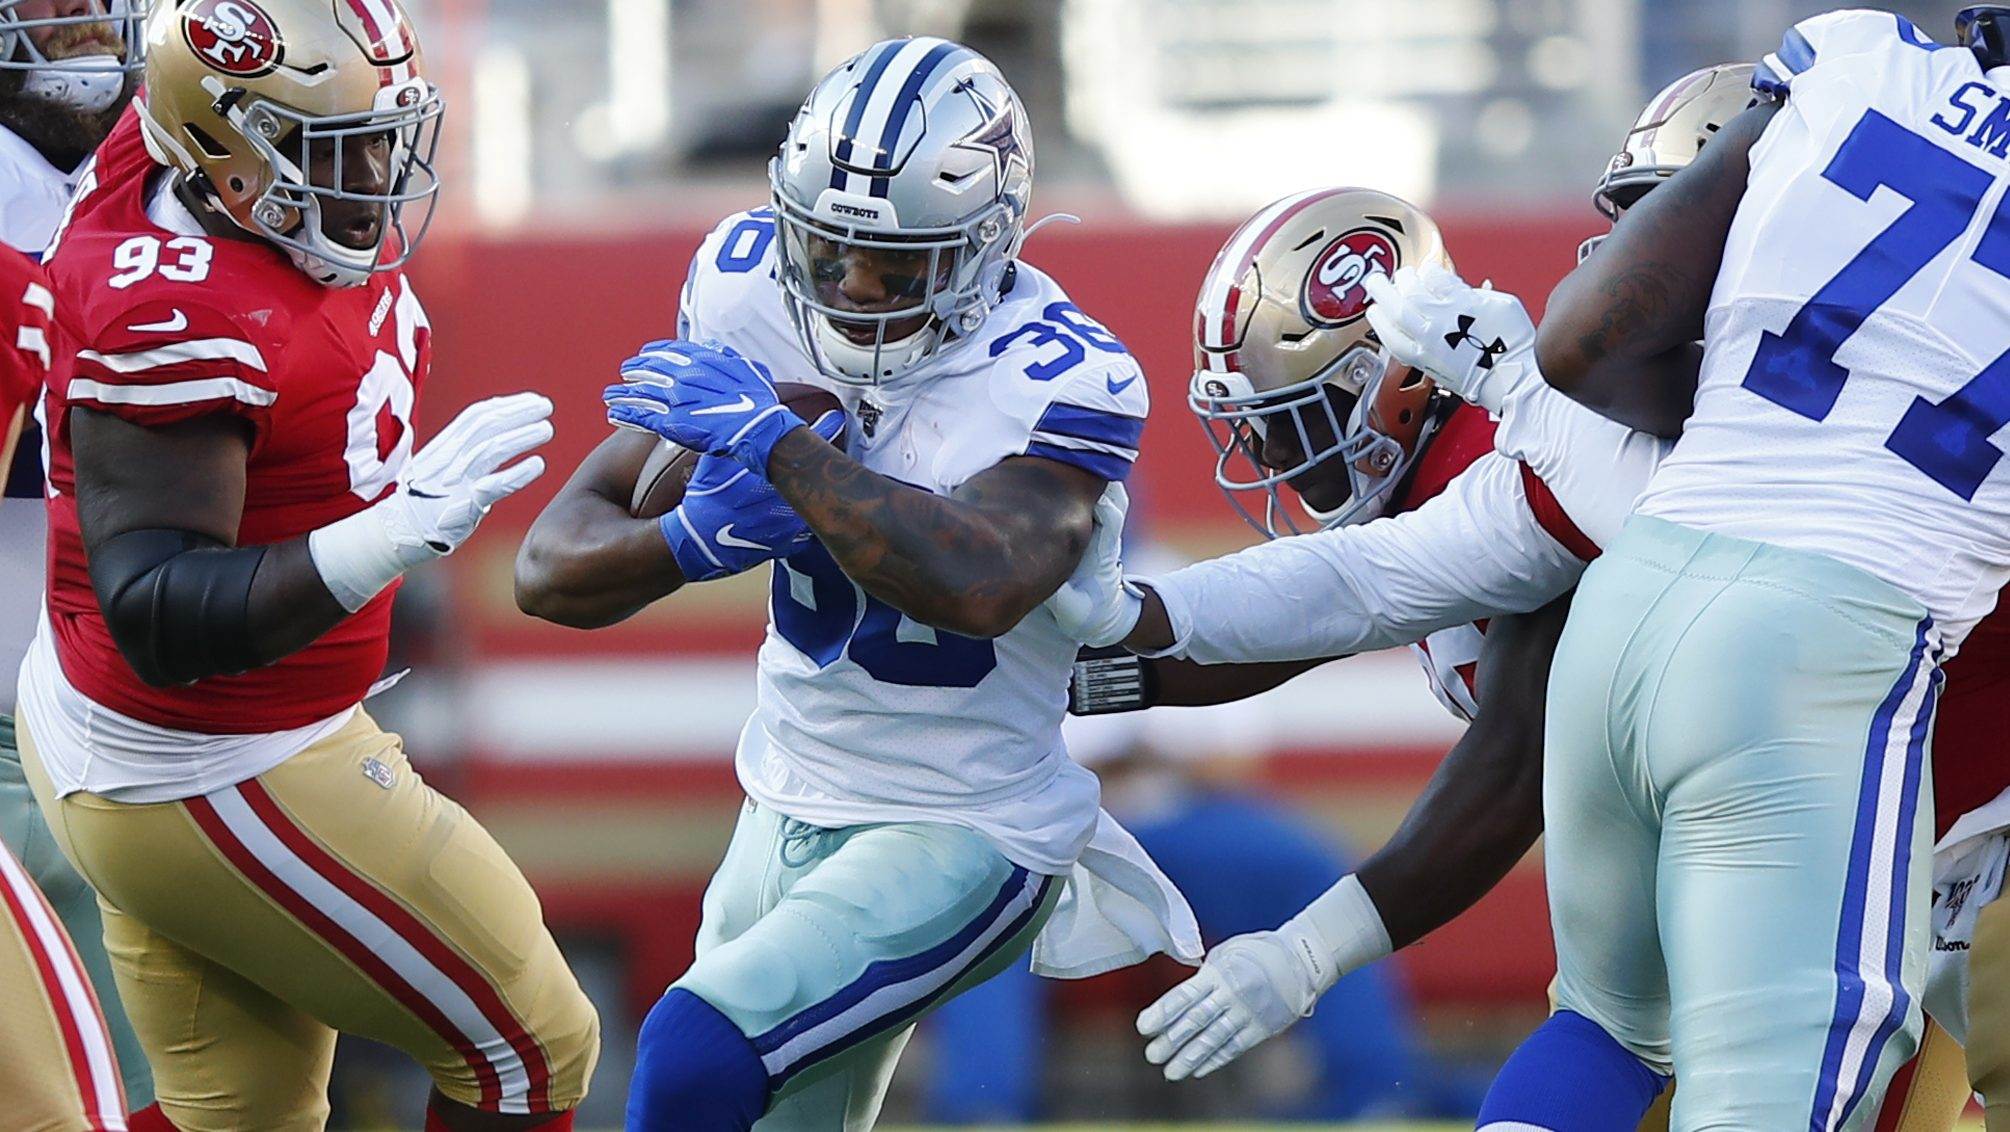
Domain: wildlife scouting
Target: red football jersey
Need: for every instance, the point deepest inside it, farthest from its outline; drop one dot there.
(1451, 656)
(26, 311)
(168, 326)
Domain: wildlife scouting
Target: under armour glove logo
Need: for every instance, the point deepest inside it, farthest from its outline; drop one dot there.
(1464, 334)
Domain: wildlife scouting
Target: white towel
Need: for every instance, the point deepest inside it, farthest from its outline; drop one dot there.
(1118, 909)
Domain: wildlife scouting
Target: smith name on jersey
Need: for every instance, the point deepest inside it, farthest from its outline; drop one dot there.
(865, 715)
(171, 324)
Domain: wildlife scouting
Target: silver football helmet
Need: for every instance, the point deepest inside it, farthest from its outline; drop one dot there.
(900, 194)
(78, 54)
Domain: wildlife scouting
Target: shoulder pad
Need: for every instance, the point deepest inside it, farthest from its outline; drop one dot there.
(1835, 35)
(731, 280)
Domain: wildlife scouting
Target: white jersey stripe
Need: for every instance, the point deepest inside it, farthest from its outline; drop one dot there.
(382, 940)
(193, 350)
(172, 393)
(1061, 440)
(72, 994)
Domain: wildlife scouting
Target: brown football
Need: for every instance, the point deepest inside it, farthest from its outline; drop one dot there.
(665, 474)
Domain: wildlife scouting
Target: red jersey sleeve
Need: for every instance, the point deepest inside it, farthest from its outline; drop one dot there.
(162, 359)
(28, 320)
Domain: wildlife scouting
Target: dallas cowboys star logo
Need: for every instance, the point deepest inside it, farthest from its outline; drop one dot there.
(999, 133)
(1464, 334)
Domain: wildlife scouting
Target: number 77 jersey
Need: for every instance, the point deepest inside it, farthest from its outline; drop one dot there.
(167, 324)
(1856, 374)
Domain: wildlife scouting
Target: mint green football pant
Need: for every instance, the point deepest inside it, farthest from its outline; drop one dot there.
(1737, 793)
(76, 904)
(824, 946)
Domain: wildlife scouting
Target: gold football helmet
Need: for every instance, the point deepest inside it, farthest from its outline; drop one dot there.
(309, 123)
(1671, 131)
(1287, 372)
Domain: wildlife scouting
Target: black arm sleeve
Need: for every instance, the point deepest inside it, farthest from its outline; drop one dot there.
(178, 604)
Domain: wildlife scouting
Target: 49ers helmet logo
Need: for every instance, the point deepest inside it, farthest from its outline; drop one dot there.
(234, 36)
(1333, 295)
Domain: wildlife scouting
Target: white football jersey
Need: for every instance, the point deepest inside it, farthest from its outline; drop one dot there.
(1856, 371)
(33, 194)
(864, 714)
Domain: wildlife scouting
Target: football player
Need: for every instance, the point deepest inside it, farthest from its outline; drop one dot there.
(234, 493)
(67, 69)
(59, 1068)
(913, 820)
(1738, 867)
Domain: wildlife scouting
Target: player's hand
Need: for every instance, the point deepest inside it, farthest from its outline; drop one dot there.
(1252, 988)
(1467, 338)
(703, 396)
(732, 520)
(1096, 605)
(452, 482)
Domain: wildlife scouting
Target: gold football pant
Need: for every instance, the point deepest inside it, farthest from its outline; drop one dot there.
(57, 1069)
(336, 892)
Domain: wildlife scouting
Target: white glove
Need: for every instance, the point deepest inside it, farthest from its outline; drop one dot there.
(1096, 605)
(1475, 341)
(1253, 987)
(446, 490)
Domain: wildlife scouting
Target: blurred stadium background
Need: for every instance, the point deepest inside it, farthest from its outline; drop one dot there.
(591, 143)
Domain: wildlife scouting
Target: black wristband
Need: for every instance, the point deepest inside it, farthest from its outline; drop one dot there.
(1110, 680)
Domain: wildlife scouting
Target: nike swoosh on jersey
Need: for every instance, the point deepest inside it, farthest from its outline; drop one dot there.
(743, 405)
(178, 322)
(725, 537)
(1115, 387)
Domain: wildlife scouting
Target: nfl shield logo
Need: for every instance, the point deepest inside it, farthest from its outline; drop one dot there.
(868, 418)
(378, 773)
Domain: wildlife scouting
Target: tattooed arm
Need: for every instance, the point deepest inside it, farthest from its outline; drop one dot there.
(1619, 333)
(974, 562)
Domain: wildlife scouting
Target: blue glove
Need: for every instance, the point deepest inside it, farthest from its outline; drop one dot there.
(732, 520)
(705, 397)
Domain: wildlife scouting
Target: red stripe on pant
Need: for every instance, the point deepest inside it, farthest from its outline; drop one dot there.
(320, 923)
(452, 963)
(60, 1001)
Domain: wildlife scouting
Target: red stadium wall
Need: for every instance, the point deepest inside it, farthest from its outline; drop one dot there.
(557, 313)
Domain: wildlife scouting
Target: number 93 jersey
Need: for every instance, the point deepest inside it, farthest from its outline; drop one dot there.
(168, 324)
(1857, 346)
(864, 714)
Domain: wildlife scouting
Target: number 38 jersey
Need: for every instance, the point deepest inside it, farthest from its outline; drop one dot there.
(1857, 349)
(168, 325)
(864, 714)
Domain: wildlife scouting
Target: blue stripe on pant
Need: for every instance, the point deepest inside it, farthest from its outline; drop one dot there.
(894, 992)
(823, 946)
(1860, 1030)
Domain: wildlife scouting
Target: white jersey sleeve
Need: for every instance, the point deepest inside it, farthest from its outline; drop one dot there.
(1477, 550)
(1595, 467)
(1093, 419)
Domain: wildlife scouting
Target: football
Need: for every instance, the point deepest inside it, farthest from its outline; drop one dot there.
(660, 485)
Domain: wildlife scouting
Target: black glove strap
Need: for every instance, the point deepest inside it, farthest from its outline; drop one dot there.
(1110, 680)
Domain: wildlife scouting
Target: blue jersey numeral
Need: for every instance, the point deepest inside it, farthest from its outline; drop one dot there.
(746, 243)
(834, 626)
(1796, 369)
(1067, 327)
